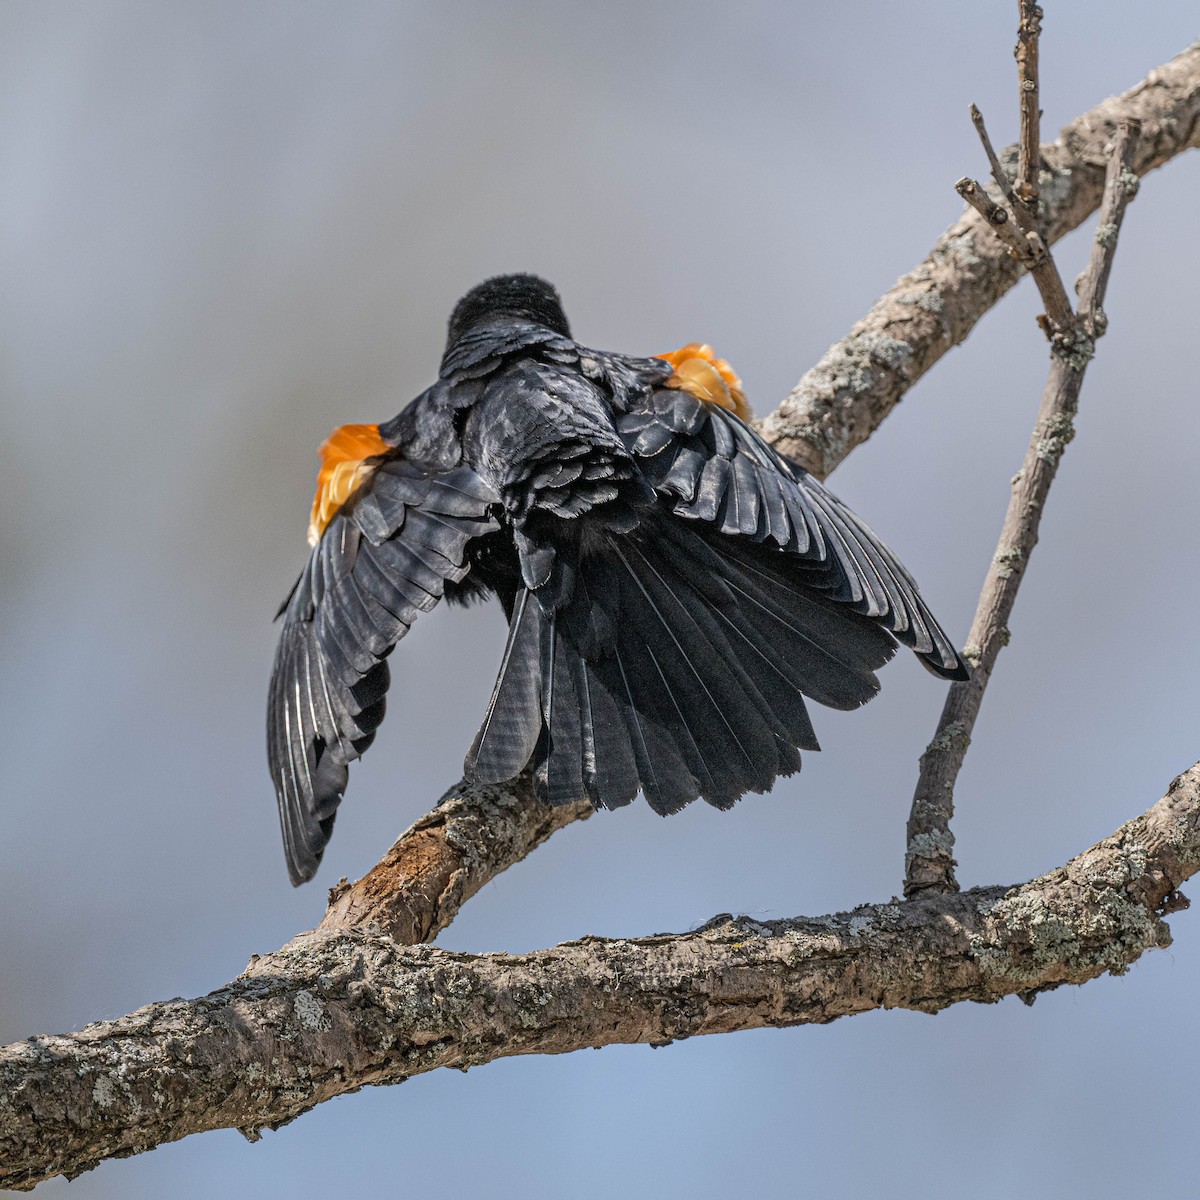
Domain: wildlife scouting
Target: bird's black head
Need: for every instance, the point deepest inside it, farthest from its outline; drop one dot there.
(524, 296)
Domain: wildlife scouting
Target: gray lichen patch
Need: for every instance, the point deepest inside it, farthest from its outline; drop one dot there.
(859, 925)
(881, 348)
(310, 1011)
(936, 844)
(928, 299)
(1074, 349)
(104, 1092)
(1046, 938)
(1057, 434)
(1054, 188)
(955, 734)
(1129, 181)
(838, 373)
(744, 924)
(972, 654)
(960, 249)
(1008, 560)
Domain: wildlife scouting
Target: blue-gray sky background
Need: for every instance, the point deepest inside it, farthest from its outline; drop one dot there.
(226, 228)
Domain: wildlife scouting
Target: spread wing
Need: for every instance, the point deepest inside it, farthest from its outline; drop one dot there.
(713, 467)
(385, 556)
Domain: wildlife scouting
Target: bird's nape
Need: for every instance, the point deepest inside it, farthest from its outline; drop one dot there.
(522, 296)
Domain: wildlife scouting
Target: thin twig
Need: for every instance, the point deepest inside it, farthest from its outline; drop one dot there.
(1029, 27)
(1120, 186)
(929, 862)
(1024, 241)
(998, 172)
(997, 216)
(1030, 249)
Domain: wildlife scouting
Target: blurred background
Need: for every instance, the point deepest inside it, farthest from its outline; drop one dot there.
(226, 228)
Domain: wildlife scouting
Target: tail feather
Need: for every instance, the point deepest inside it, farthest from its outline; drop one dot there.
(778, 701)
(684, 757)
(565, 720)
(675, 662)
(829, 653)
(732, 731)
(677, 722)
(615, 779)
(509, 734)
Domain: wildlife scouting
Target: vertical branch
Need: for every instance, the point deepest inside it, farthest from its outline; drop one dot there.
(1029, 153)
(929, 861)
(1120, 186)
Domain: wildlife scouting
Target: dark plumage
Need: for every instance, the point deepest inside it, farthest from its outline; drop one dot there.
(675, 588)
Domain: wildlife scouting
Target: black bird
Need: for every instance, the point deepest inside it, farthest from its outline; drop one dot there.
(674, 587)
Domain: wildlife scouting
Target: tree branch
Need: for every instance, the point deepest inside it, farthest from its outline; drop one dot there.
(1029, 28)
(929, 856)
(859, 380)
(334, 1012)
(473, 834)
(929, 860)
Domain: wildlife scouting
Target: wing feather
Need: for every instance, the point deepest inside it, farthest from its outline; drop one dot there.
(385, 556)
(714, 468)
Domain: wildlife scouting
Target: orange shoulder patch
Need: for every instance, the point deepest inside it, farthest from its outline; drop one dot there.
(701, 373)
(345, 464)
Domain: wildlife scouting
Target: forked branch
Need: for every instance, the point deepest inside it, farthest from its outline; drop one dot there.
(859, 380)
(929, 858)
(929, 862)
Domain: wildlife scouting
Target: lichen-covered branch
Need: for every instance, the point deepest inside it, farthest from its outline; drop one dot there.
(929, 859)
(859, 380)
(336, 1011)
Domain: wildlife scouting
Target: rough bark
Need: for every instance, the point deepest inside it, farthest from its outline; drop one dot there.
(336, 1011)
(859, 380)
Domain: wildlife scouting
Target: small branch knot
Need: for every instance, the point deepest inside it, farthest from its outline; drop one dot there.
(1074, 348)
